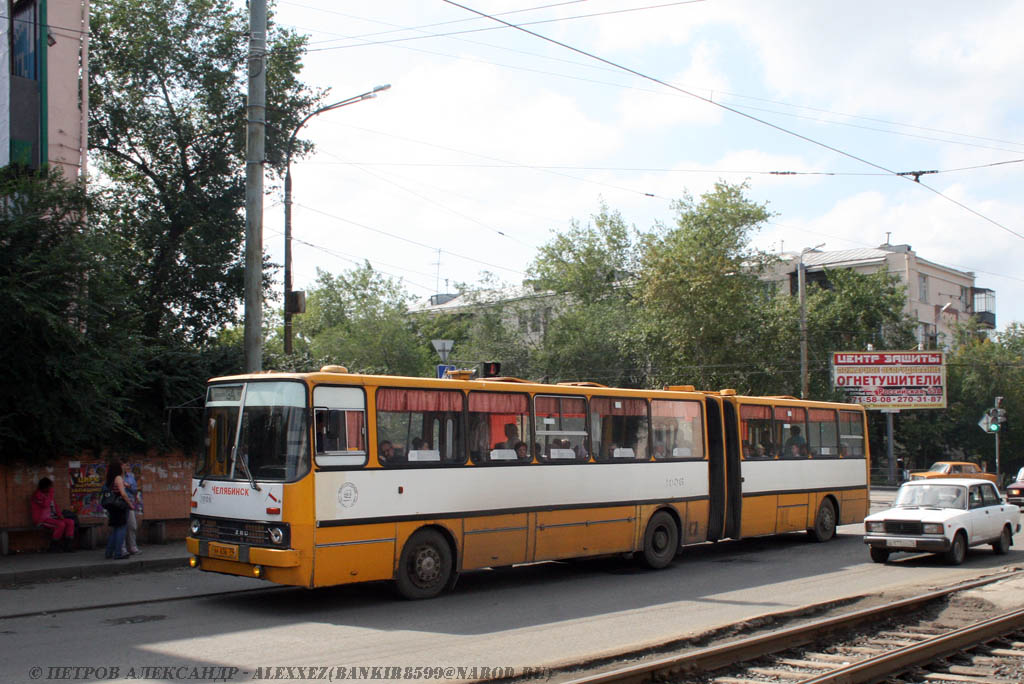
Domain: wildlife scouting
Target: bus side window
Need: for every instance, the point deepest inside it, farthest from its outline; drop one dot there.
(562, 429)
(620, 429)
(423, 427)
(678, 430)
(756, 431)
(500, 428)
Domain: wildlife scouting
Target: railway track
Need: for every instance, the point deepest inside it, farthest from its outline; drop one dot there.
(935, 638)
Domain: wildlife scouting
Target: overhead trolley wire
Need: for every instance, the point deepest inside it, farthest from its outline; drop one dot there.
(738, 112)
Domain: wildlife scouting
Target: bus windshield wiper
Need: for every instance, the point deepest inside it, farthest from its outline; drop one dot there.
(245, 467)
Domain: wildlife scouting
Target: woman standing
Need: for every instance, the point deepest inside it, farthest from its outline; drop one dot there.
(118, 514)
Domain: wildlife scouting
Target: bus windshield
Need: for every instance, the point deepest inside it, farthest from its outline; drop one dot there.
(257, 427)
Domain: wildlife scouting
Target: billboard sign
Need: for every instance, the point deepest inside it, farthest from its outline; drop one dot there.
(891, 379)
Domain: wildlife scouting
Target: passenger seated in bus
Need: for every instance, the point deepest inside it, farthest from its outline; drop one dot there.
(386, 452)
(660, 452)
(419, 444)
(795, 439)
(761, 451)
(511, 437)
(521, 453)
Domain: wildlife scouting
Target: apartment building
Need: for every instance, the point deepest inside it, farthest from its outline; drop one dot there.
(938, 296)
(44, 85)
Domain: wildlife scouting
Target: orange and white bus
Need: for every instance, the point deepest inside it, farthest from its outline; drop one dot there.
(326, 478)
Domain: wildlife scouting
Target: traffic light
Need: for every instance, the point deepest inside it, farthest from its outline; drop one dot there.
(1001, 419)
(492, 369)
(993, 419)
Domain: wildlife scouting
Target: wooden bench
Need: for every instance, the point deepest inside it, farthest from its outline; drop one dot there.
(85, 531)
(156, 529)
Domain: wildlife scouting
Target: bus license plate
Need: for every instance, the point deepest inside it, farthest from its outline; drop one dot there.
(224, 551)
(903, 543)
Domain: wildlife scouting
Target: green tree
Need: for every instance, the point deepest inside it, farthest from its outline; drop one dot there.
(69, 352)
(705, 308)
(167, 126)
(592, 271)
(360, 319)
(851, 311)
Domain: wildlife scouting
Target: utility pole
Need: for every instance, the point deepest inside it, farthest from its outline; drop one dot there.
(998, 401)
(801, 278)
(256, 110)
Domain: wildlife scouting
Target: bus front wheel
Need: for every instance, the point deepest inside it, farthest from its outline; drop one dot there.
(661, 540)
(425, 567)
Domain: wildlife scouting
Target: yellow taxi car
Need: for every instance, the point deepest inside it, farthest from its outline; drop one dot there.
(942, 469)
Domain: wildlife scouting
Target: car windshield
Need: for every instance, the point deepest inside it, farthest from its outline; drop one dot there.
(932, 496)
(257, 427)
(939, 468)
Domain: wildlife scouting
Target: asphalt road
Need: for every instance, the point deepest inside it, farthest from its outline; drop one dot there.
(534, 616)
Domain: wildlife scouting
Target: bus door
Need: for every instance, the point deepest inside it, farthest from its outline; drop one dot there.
(716, 469)
(733, 471)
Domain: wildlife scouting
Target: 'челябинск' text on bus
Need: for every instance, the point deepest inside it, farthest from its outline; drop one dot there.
(326, 478)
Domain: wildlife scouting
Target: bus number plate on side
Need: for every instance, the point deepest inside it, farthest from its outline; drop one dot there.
(224, 551)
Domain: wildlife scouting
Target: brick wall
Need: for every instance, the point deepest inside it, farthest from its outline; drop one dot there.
(164, 479)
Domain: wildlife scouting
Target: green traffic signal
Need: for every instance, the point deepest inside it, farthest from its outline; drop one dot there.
(993, 427)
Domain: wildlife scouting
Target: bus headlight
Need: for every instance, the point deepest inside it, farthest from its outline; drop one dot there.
(276, 535)
(875, 526)
(932, 528)
(194, 525)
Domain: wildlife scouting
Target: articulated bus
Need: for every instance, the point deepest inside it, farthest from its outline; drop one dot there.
(326, 478)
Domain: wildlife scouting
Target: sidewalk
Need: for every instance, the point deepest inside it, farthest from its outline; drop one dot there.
(34, 567)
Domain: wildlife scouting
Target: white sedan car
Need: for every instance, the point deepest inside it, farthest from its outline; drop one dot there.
(943, 516)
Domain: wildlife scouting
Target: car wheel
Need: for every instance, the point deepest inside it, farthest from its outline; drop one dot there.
(1002, 545)
(661, 541)
(425, 567)
(825, 522)
(958, 551)
(879, 554)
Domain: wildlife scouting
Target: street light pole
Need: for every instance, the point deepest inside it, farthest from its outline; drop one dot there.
(288, 205)
(801, 277)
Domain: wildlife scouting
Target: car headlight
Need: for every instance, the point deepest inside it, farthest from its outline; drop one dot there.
(932, 528)
(276, 535)
(875, 526)
(1014, 492)
(195, 525)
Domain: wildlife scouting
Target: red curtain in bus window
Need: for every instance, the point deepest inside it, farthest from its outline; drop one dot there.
(607, 406)
(354, 429)
(418, 400)
(790, 414)
(569, 407)
(492, 402)
(667, 408)
(755, 412)
(822, 415)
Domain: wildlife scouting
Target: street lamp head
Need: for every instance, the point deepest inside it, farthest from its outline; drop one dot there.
(380, 88)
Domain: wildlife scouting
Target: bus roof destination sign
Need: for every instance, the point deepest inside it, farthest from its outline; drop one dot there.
(892, 380)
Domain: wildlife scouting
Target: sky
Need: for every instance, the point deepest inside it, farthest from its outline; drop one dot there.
(492, 139)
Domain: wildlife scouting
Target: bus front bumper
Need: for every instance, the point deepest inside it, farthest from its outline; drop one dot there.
(242, 553)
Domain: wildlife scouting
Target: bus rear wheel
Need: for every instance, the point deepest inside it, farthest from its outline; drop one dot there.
(661, 541)
(825, 522)
(425, 567)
